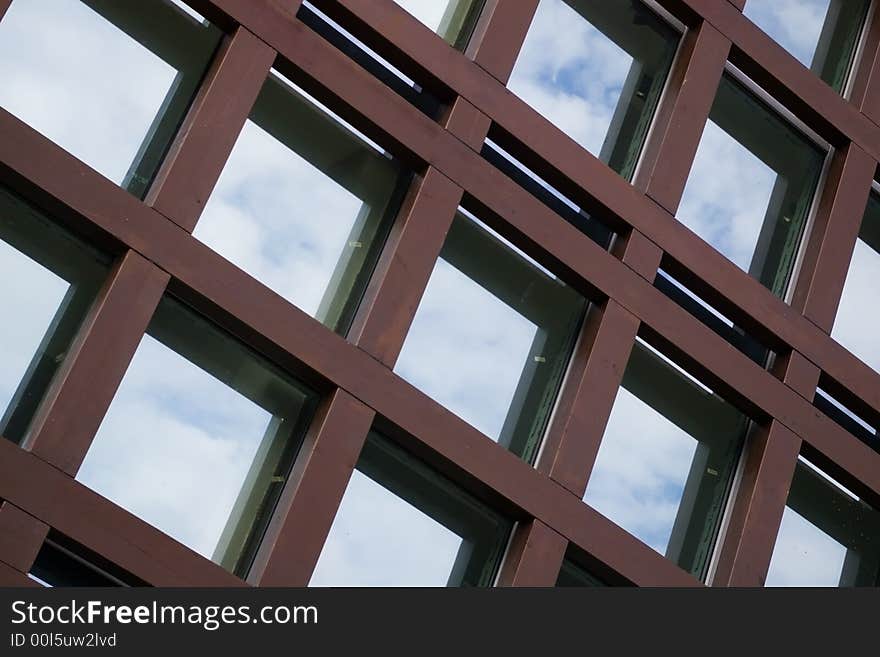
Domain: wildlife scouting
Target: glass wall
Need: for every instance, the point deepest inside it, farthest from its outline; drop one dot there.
(50, 280)
(108, 81)
(200, 437)
(401, 523)
(453, 20)
(667, 459)
(752, 185)
(854, 327)
(828, 536)
(596, 70)
(304, 203)
(822, 34)
(492, 336)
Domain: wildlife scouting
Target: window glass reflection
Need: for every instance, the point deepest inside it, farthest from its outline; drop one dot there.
(666, 460)
(108, 81)
(492, 336)
(852, 328)
(596, 70)
(50, 281)
(402, 524)
(453, 20)
(303, 204)
(822, 34)
(751, 186)
(828, 537)
(199, 438)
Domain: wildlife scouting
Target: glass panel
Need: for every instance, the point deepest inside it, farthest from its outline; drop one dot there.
(822, 34)
(108, 81)
(596, 70)
(828, 537)
(667, 459)
(852, 328)
(50, 281)
(453, 20)
(492, 336)
(751, 186)
(402, 524)
(199, 438)
(573, 575)
(304, 204)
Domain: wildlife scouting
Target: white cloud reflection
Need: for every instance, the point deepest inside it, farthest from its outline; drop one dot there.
(727, 195)
(378, 539)
(852, 328)
(794, 24)
(279, 218)
(33, 295)
(804, 555)
(175, 446)
(466, 349)
(571, 73)
(429, 12)
(640, 471)
(79, 80)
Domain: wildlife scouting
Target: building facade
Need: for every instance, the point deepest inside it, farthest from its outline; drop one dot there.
(439, 292)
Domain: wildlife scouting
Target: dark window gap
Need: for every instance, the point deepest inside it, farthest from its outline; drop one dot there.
(369, 60)
(843, 411)
(542, 190)
(712, 318)
(62, 562)
(579, 569)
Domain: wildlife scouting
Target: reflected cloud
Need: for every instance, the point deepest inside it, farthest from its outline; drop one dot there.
(466, 349)
(804, 555)
(571, 73)
(640, 471)
(279, 218)
(851, 327)
(378, 539)
(727, 195)
(175, 447)
(35, 304)
(794, 24)
(68, 73)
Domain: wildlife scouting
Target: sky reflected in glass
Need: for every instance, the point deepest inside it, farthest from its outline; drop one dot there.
(378, 539)
(852, 328)
(82, 82)
(35, 306)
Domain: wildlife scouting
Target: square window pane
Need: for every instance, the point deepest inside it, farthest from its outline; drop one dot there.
(303, 204)
(828, 537)
(492, 336)
(50, 281)
(199, 438)
(822, 34)
(108, 81)
(596, 70)
(402, 524)
(752, 185)
(453, 20)
(854, 327)
(667, 459)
